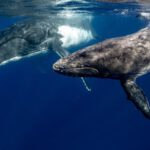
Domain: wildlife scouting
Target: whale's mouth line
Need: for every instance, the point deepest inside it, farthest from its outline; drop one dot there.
(75, 71)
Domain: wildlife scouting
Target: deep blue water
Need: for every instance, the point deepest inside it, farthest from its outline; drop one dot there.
(42, 110)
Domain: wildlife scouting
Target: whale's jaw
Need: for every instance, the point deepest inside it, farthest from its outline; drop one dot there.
(77, 64)
(76, 71)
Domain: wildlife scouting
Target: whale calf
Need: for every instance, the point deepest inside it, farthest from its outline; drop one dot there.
(124, 59)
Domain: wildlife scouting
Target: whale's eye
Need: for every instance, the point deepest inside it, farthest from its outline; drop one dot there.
(83, 55)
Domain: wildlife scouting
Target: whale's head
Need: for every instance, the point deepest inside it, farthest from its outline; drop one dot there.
(81, 64)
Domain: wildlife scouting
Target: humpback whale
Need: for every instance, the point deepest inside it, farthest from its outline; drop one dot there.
(123, 58)
(29, 37)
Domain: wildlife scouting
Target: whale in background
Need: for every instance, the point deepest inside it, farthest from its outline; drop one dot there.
(29, 37)
(56, 33)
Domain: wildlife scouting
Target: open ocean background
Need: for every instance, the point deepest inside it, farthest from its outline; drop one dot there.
(42, 110)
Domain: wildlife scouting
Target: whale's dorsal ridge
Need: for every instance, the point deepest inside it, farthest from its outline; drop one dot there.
(136, 95)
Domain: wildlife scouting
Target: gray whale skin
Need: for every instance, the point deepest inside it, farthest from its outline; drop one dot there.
(124, 59)
(28, 37)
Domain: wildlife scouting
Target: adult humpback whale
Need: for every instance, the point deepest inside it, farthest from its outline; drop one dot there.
(123, 58)
(28, 37)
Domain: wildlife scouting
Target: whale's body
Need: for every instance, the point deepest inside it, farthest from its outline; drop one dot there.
(124, 58)
(29, 37)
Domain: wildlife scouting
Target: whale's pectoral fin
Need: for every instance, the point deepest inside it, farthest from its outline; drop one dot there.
(61, 52)
(136, 95)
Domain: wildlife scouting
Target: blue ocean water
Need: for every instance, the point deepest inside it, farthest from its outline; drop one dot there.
(42, 110)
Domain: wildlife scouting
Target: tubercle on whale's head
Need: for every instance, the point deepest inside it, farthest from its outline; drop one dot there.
(81, 64)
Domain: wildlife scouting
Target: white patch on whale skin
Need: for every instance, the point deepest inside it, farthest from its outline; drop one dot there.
(73, 35)
(16, 58)
(76, 28)
(11, 60)
(145, 15)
